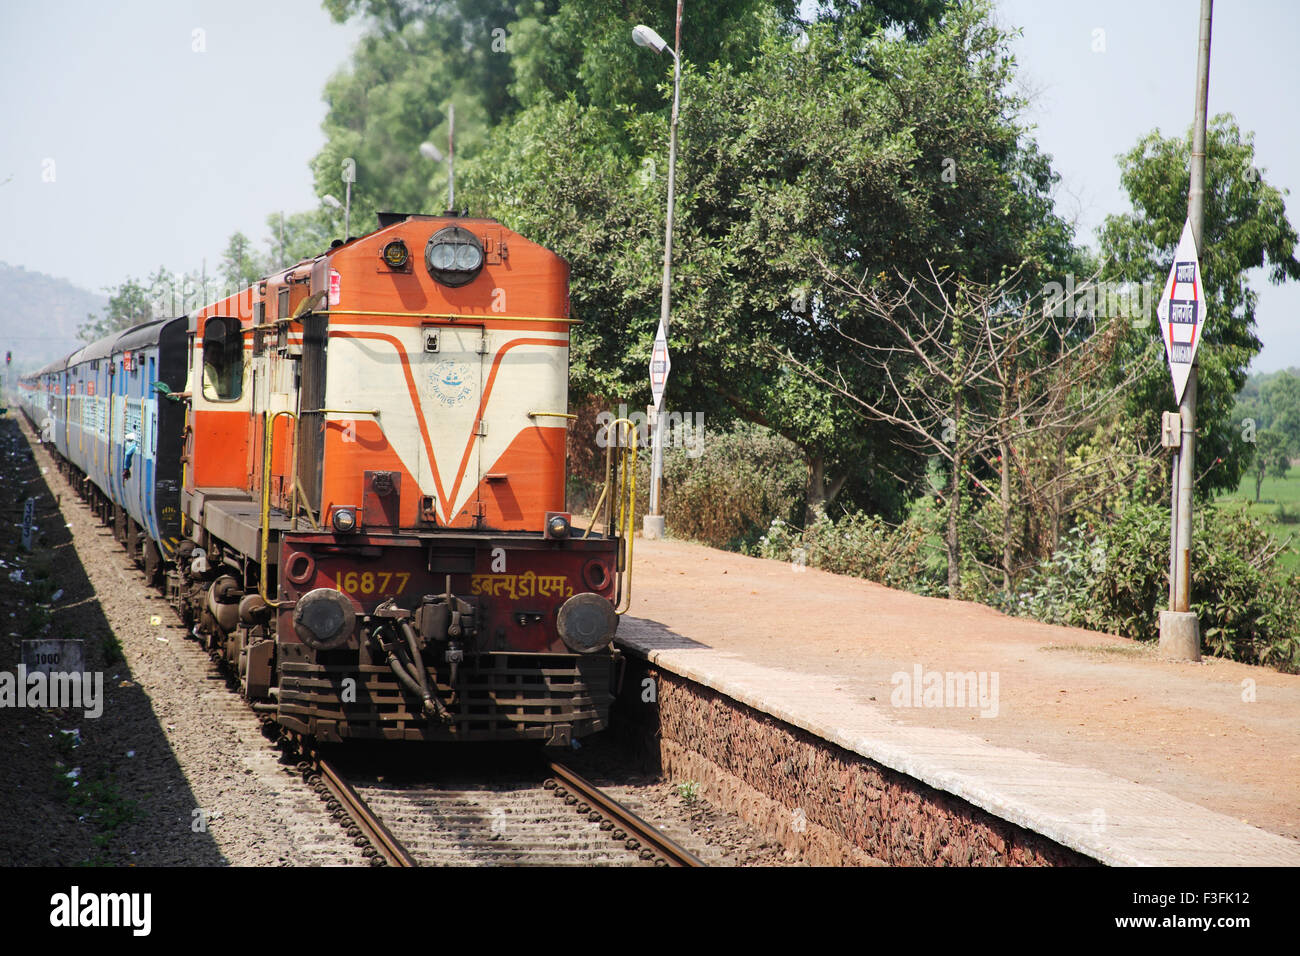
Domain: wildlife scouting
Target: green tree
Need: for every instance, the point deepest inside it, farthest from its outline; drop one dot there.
(836, 145)
(415, 60)
(495, 58)
(129, 304)
(1280, 395)
(1272, 456)
(305, 235)
(1245, 227)
(241, 265)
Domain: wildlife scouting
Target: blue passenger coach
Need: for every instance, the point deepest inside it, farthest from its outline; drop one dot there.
(109, 410)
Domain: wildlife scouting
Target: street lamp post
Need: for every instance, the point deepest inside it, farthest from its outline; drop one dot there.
(349, 177)
(653, 523)
(429, 151)
(332, 202)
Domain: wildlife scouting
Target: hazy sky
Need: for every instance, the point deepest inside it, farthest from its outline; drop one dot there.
(158, 152)
(1091, 106)
(164, 141)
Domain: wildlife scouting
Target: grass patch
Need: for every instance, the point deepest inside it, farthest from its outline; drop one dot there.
(1278, 509)
(112, 649)
(1102, 650)
(99, 804)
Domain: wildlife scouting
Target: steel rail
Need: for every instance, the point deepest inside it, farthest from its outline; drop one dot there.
(597, 799)
(388, 846)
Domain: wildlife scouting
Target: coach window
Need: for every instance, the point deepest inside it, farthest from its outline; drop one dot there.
(223, 359)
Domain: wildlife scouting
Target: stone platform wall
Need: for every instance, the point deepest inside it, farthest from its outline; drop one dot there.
(832, 806)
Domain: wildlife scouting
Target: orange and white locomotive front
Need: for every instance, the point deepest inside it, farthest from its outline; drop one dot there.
(431, 421)
(447, 358)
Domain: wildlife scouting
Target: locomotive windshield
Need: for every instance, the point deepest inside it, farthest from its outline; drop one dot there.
(223, 359)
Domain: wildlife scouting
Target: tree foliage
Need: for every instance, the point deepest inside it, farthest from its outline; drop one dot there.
(828, 141)
(128, 304)
(162, 295)
(241, 264)
(416, 59)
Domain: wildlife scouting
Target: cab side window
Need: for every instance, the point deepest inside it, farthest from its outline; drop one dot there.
(223, 359)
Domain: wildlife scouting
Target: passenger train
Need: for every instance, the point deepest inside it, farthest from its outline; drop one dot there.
(350, 480)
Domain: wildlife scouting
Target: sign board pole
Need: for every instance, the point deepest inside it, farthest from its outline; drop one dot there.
(1180, 636)
(1186, 478)
(660, 365)
(1173, 530)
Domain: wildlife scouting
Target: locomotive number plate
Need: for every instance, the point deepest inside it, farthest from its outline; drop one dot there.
(374, 582)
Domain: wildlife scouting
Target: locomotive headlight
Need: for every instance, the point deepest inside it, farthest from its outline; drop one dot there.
(442, 257)
(557, 525)
(586, 623)
(396, 254)
(454, 256)
(345, 520)
(468, 257)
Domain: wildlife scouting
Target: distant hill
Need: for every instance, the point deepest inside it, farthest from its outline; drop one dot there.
(39, 315)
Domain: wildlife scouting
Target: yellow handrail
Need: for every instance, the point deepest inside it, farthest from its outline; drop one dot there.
(626, 506)
(572, 418)
(187, 446)
(268, 447)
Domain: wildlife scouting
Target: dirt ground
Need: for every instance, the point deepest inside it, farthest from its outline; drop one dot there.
(171, 746)
(1219, 734)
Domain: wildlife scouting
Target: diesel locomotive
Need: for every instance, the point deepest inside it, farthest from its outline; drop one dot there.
(349, 478)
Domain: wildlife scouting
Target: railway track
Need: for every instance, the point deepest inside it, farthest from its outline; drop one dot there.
(637, 834)
(562, 820)
(378, 843)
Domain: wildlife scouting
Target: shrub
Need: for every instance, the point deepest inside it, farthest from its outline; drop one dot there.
(859, 545)
(727, 496)
(722, 487)
(1114, 577)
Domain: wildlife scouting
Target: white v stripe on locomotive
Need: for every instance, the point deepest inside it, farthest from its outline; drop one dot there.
(445, 413)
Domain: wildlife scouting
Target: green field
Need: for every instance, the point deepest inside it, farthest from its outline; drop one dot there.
(1278, 509)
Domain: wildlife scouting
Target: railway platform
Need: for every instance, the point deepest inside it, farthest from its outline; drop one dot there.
(1087, 740)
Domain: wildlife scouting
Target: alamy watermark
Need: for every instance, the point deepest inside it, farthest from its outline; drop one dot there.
(126, 910)
(58, 690)
(680, 429)
(1102, 300)
(923, 688)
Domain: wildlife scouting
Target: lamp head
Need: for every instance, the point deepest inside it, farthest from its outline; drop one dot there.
(642, 35)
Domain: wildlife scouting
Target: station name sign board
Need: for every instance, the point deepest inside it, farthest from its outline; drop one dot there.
(1181, 311)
